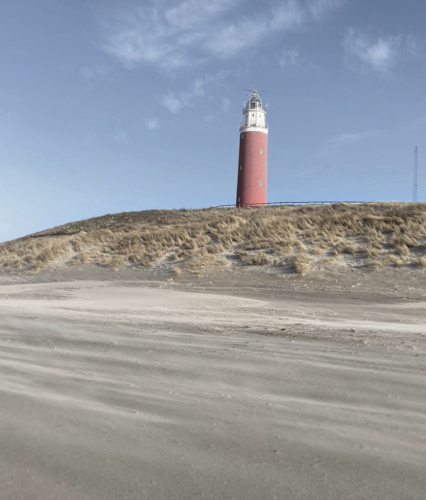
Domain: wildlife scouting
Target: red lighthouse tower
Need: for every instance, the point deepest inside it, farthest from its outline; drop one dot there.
(253, 159)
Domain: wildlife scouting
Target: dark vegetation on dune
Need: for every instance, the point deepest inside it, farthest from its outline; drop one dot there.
(298, 239)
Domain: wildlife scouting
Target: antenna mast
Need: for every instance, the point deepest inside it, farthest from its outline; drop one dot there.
(416, 154)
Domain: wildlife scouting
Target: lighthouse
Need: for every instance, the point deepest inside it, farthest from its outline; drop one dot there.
(253, 157)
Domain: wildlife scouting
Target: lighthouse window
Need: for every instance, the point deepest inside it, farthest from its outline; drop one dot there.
(241, 167)
(260, 183)
(261, 151)
(242, 136)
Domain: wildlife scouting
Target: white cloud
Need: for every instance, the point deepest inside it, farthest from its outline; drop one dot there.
(120, 137)
(292, 58)
(361, 52)
(248, 32)
(172, 34)
(233, 38)
(343, 140)
(226, 104)
(192, 12)
(175, 101)
(320, 8)
(287, 16)
(289, 58)
(152, 123)
(415, 47)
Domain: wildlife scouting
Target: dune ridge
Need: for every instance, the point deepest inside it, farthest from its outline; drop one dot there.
(286, 239)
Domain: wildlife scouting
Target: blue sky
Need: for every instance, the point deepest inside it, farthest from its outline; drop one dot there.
(110, 106)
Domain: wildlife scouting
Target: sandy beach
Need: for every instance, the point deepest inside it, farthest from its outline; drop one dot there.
(132, 389)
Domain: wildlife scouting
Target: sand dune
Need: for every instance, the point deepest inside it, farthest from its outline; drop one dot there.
(284, 240)
(125, 390)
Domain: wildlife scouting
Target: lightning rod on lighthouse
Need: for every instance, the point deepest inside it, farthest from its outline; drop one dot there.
(253, 157)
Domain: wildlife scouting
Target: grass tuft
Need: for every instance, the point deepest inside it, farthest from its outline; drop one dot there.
(375, 265)
(421, 262)
(259, 259)
(301, 264)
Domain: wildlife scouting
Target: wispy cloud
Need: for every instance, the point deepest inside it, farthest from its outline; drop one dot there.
(416, 47)
(248, 32)
(120, 137)
(292, 58)
(191, 13)
(342, 140)
(320, 8)
(226, 104)
(364, 53)
(152, 123)
(172, 34)
(174, 101)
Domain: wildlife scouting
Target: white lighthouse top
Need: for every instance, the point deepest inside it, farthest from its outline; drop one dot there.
(255, 102)
(254, 114)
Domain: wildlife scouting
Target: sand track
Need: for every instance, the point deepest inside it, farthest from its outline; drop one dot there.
(118, 392)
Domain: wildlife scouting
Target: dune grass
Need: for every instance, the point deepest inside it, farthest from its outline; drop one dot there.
(383, 234)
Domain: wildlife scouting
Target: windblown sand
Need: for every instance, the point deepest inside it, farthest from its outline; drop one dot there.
(146, 390)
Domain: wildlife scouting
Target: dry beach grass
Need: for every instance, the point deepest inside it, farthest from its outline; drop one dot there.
(298, 239)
